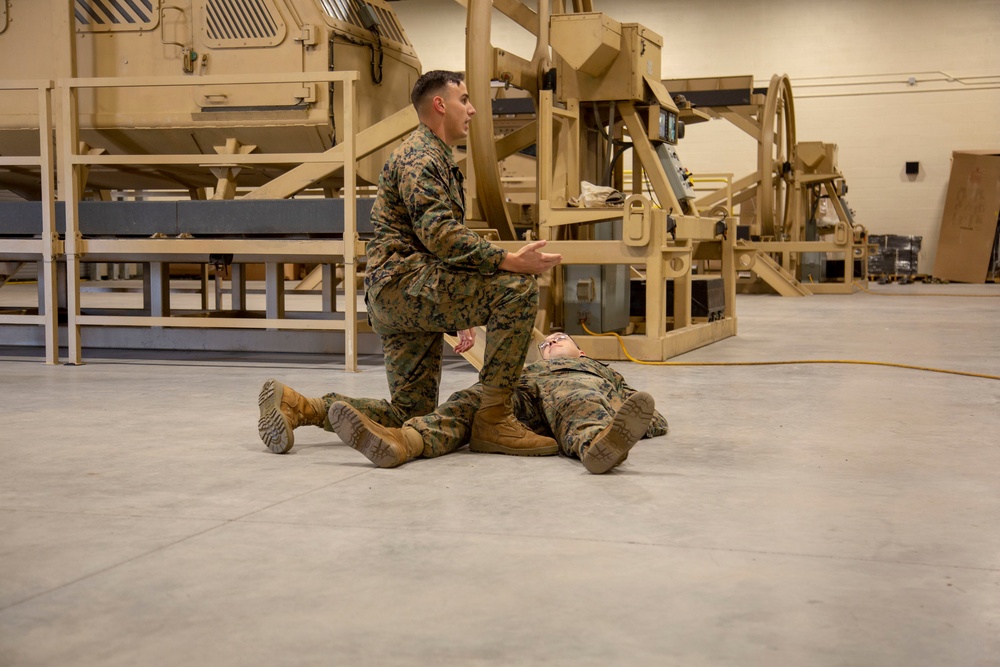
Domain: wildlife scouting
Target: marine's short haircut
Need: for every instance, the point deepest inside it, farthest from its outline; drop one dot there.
(433, 83)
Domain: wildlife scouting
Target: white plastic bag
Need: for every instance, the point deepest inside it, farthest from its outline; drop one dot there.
(597, 196)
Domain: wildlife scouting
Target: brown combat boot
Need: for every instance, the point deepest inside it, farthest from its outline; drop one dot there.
(611, 446)
(495, 429)
(385, 447)
(281, 411)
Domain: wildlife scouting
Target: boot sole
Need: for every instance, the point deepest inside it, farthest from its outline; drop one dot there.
(349, 425)
(484, 447)
(273, 428)
(627, 428)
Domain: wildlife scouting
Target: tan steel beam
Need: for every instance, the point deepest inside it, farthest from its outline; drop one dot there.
(659, 348)
(743, 120)
(367, 142)
(772, 273)
(519, 13)
(711, 199)
(517, 140)
(215, 322)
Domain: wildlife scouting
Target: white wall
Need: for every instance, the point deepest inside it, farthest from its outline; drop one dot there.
(849, 62)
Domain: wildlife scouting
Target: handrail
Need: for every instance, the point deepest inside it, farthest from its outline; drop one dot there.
(71, 161)
(718, 178)
(47, 246)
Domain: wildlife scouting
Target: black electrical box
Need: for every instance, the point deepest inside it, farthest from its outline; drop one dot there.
(708, 298)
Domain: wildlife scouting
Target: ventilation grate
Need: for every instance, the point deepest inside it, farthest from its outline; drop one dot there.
(390, 28)
(115, 14)
(342, 10)
(346, 11)
(239, 19)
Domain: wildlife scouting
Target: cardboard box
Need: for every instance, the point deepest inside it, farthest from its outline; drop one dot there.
(969, 224)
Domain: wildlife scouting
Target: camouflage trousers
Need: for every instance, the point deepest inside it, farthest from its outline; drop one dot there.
(412, 313)
(378, 410)
(573, 410)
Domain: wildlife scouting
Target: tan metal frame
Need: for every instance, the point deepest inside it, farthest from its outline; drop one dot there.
(47, 247)
(160, 252)
(558, 138)
(781, 200)
(663, 258)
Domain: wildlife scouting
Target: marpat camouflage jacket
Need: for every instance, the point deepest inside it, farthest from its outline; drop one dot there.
(419, 215)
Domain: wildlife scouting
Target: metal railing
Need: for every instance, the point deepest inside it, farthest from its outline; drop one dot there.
(160, 252)
(46, 247)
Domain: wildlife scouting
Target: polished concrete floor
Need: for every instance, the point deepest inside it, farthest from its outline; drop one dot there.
(795, 515)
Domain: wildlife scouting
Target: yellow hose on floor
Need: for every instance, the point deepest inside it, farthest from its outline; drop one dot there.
(786, 363)
(865, 289)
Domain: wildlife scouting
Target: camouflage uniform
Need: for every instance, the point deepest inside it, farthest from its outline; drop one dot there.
(570, 399)
(428, 274)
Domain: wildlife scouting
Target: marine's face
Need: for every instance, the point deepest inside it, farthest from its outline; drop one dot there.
(458, 111)
(559, 345)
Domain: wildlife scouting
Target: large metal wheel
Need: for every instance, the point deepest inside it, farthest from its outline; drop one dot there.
(482, 148)
(479, 63)
(775, 158)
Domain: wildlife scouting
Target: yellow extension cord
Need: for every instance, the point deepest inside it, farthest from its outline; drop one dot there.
(961, 296)
(785, 363)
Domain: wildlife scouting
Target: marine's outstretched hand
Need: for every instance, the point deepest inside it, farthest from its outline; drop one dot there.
(466, 339)
(530, 259)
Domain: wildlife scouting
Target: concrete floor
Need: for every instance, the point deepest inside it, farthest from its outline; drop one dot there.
(795, 515)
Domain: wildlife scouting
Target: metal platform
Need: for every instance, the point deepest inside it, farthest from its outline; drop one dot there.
(230, 234)
(224, 233)
(235, 218)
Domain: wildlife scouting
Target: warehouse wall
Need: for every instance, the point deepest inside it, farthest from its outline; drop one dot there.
(850, 62)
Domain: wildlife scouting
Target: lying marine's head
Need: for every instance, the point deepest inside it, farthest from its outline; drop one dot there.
(558, 345)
